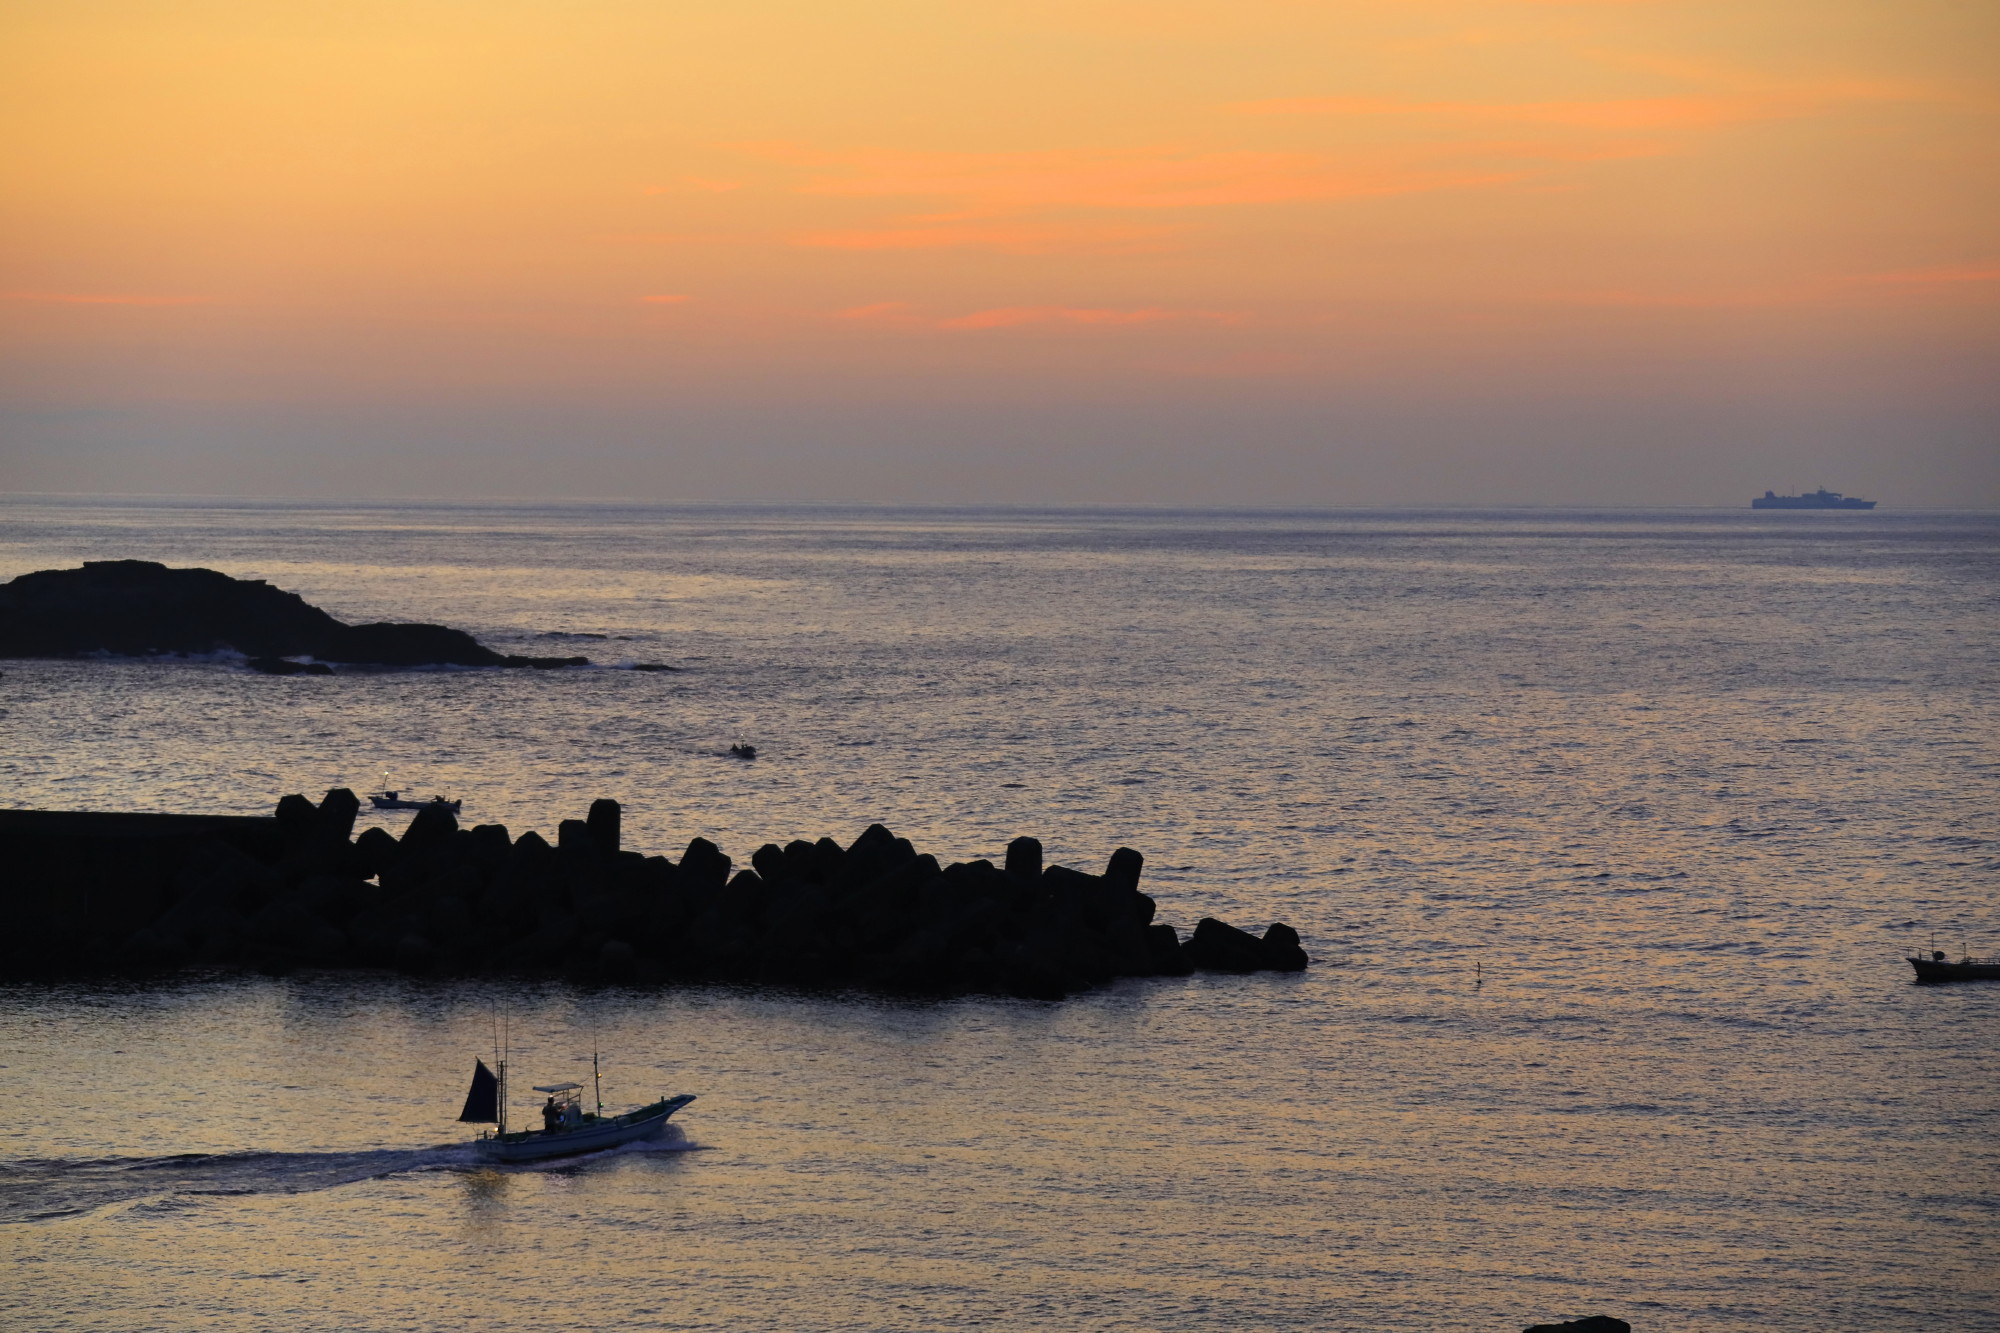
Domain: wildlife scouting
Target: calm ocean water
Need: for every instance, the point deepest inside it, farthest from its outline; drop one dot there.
(1607, 830)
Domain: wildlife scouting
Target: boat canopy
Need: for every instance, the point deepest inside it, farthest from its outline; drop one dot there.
(558, 1087)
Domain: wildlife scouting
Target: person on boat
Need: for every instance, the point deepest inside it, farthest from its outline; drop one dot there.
(551, 1115)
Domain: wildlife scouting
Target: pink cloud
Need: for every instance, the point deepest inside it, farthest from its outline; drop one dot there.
(1831, 289)
(1947, 275)
(1016, 316)
(920, 234)
(988, 185)
(1007, 317)
(883, 312)
(96, 298)
(1728, 96)
(1621, 114)
(695, 185)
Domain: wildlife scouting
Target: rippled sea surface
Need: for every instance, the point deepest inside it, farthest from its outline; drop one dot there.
(1608, 832)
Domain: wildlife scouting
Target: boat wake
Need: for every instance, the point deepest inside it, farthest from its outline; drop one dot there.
(49, 1190)
(35, 1191)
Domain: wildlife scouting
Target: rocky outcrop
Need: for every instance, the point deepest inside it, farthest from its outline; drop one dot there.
(93, 892)
(139, 608)
(1597, 1323)
(1220, 947)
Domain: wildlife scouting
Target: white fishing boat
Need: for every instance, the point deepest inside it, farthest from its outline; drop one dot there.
(567, 1129)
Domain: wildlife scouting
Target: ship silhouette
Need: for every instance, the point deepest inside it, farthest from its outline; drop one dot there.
(1819, 499)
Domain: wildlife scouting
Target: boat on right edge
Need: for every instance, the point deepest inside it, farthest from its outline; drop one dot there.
(1968, 968)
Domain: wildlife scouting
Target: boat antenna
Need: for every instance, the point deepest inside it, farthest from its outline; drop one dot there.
(596, 1079)
(500, 1113)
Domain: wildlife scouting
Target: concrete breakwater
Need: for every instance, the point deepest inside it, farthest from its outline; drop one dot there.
(109, 892)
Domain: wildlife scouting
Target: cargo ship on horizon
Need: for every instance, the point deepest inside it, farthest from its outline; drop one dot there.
(1819, 499)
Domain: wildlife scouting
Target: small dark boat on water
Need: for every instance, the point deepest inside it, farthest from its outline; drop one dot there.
(390, 800)
(1968, 968)
(567, 1129)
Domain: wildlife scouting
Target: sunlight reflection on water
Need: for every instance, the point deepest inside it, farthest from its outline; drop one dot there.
(1683, 787)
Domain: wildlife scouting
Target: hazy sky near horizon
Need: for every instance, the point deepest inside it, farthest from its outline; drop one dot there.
(1396, 251)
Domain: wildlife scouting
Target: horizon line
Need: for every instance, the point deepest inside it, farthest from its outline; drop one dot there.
(593, 502)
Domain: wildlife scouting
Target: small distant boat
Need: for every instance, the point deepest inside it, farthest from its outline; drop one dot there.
(1968, 968)
(741, 751)
(1819, 499)
(391, 800)
(567, 1129)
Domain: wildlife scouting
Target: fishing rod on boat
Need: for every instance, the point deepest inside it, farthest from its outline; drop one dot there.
(502, 1048)
(596, 1079)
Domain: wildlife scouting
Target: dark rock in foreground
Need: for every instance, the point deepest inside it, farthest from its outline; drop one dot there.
(139, 608)
(1597, 1323)
(95, 892)
(1219, 947)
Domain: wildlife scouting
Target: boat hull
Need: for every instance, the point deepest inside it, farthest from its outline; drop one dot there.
(592, 1136)
(1819, 499)
(1934, 972)
(1786, 502)
(383, 803)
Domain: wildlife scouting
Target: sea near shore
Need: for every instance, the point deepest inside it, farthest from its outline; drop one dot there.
(1607, 831)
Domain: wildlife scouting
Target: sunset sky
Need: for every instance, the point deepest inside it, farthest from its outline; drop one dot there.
(1246, 252)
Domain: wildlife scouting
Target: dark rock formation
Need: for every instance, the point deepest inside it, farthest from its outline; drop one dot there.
(1596, 1323)
(1282, 950)
(1219, 947)
(92, 892)
(138, 608)
(407, 645)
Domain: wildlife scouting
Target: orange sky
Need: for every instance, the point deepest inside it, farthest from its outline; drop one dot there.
(1250, 252)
